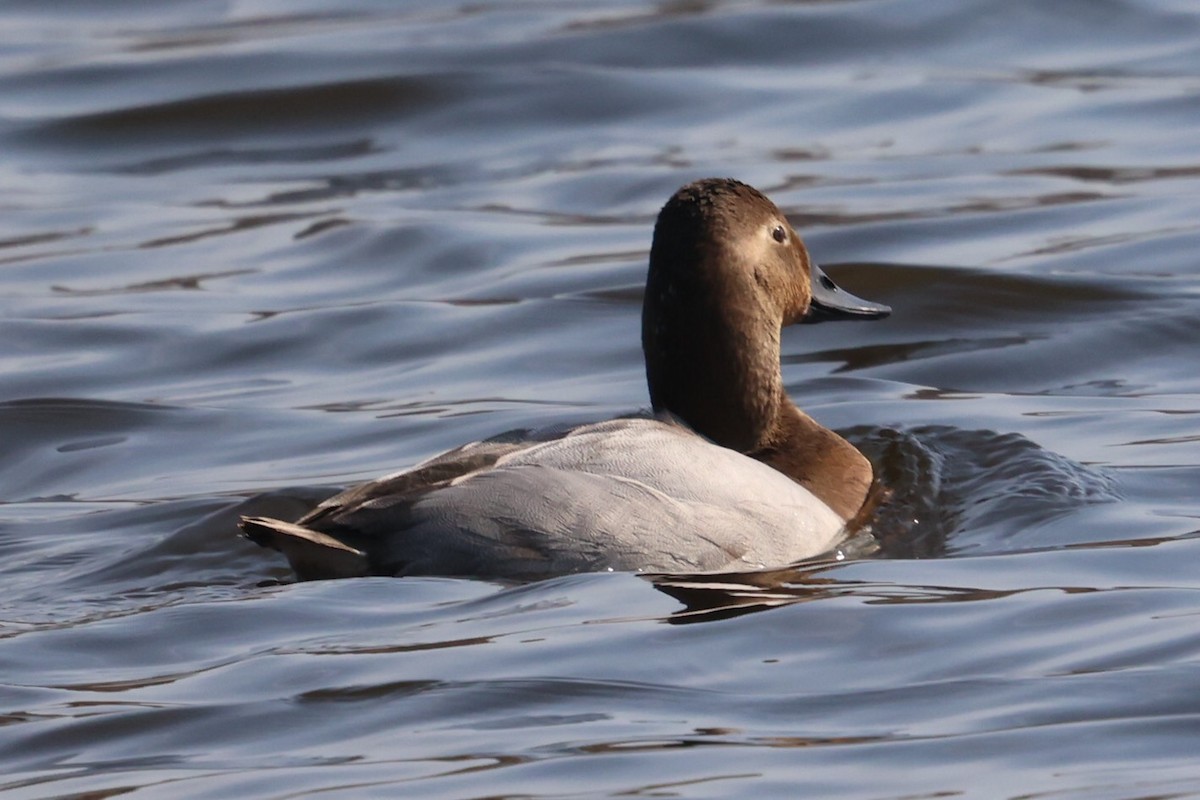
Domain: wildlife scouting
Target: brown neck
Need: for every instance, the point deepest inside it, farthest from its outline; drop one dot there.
(703, 368)
(752, 413)
(703, 373)
(816, 458)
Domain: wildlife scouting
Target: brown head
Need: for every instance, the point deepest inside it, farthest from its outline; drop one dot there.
(727, 272)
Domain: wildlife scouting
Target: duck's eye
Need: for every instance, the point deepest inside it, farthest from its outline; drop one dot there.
(779, 234)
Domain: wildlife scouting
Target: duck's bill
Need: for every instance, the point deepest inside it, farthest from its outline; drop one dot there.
(830, 302)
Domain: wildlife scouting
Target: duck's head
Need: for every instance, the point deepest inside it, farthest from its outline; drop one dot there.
(726, 236)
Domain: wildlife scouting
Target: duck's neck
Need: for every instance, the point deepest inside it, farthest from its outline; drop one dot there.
(699, 367)
(816, 458)
(734, 395)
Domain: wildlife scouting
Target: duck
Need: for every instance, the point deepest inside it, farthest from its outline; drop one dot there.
(723, 473)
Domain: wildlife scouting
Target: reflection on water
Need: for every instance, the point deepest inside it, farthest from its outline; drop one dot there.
(251, 254)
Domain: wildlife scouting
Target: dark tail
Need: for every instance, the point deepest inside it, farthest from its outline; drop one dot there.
(312, 554)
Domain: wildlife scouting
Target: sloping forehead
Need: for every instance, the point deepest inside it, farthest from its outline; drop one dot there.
(719, 196)
(720, 208)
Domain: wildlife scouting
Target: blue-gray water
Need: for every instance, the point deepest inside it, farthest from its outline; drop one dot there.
(254, 251)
